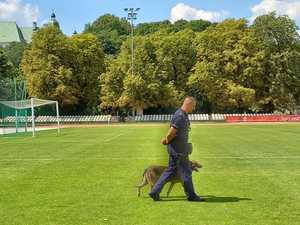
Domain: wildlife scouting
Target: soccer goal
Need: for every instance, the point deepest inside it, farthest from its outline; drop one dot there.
(23, 116)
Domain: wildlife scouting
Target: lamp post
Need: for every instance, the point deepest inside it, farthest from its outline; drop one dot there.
(131, 16)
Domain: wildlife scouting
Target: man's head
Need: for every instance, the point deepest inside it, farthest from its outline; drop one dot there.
(189, 104)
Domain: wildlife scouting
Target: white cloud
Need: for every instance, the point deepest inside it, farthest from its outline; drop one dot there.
(21, 12)
(282, 7)
(183, 11)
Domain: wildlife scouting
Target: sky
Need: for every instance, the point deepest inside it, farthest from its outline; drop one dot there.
(74, 14)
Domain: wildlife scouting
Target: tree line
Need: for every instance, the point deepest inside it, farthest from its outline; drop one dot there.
(232, 66)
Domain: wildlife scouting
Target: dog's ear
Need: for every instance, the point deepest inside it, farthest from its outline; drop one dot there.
(197, 164)
(195, 169)
(193, 163)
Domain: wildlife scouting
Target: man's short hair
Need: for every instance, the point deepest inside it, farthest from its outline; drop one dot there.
(192, 99)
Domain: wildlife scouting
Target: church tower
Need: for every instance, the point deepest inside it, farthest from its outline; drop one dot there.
(53, 20)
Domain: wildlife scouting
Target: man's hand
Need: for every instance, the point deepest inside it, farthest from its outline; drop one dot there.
(171, 134)
(164, 141)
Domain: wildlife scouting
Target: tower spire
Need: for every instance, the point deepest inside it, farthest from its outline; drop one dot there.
(53, 19)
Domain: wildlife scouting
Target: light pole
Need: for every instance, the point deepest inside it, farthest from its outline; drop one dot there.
(131, 16)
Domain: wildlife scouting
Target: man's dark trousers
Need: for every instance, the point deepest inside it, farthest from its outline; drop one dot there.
(177, 163)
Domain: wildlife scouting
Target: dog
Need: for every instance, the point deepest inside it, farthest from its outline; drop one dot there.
(152, 174)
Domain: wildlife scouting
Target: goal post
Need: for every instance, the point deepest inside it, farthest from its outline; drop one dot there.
(17, 115)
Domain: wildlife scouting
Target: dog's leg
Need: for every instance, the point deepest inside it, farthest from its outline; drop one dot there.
(144, 183)
(151, 187)
(170, 189)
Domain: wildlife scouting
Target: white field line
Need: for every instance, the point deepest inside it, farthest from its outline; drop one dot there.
(21, 140)
(114, 137)
(146, 158)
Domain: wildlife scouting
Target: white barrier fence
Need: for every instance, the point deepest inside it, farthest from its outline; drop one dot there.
(143, 118)
(63, 119)
(192, 117)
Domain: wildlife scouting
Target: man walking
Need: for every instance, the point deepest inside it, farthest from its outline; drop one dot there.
(178, 149)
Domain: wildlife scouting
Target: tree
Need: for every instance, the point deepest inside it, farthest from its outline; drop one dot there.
(64, 69)
(87, 65)
(5, 72)
(14, 52)
(5, 65)
(261, 60)
(145, 88)
(200, 25)
(110, 30)
(163, 63)
(277, 32)
(281, 41)
(167, 26)
(176, 56)
(180, 25)
(229, 66)
(152, 27)
(111, 83)
(46, 68)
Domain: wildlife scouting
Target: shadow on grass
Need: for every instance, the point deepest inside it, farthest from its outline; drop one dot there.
(208, 199)
(219, 199)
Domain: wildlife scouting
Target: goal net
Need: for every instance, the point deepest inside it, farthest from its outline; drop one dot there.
(22, 116)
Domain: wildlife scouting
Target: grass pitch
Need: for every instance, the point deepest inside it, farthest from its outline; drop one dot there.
(86, 176)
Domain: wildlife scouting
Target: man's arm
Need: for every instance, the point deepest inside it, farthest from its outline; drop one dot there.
(171, 134)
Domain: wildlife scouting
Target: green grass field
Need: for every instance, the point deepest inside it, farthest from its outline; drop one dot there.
(87, 176)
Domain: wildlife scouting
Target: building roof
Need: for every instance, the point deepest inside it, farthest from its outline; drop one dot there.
(10, 32)
(27, 33)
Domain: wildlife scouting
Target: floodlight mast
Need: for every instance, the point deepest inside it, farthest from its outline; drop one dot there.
(132, 16)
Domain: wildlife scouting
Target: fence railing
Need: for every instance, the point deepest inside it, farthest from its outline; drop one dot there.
(63, 119)
(147, 118)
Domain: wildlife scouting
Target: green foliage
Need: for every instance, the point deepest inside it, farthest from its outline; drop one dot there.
(110, 30)
(150, 28)
(228, 66)
(5, 72)
(252, 60)
(176, 56)
(282, 70)
(5, 65)
(65, 69)
(199, 25)
(166, 25)
(14, 52)
(277, 32)
(87, 65)
(147, 87)
(162, 66)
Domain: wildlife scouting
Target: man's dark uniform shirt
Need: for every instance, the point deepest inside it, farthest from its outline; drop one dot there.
(181, 123)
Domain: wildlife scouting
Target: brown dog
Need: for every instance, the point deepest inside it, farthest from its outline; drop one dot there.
(152, 174)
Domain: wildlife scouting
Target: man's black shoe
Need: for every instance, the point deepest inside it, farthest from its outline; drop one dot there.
(196, 199)
(155, 197)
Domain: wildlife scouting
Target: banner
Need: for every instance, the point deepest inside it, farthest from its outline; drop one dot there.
(266, 118)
